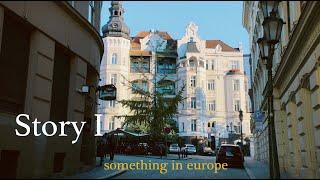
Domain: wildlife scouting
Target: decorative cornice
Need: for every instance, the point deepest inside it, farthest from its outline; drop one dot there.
(304, 36)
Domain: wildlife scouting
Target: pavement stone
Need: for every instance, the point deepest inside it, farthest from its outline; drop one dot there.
(256, 169)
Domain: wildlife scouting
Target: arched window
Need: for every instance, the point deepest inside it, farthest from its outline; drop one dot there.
(208, 124)
(114, 59)
(213, 124)
(191, 63)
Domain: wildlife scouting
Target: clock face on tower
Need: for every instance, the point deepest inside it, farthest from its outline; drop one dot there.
(114, 25)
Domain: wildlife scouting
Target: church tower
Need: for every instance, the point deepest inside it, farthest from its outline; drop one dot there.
(115, 63)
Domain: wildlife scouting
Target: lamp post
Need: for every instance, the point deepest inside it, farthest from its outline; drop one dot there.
(241, 118)
(228, 132)
(272, 26)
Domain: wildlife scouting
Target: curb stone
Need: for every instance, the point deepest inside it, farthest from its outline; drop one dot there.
(249, 173)
(114, 174)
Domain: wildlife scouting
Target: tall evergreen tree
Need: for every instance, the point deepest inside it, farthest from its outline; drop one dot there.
(151, 110)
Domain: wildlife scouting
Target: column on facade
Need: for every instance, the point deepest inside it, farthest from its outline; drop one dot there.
(76, 104)
(281, 135)
(305, 129)
(315, 102)
(293, 138)
(38, 99)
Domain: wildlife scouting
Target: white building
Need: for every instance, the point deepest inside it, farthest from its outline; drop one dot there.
(216, 86)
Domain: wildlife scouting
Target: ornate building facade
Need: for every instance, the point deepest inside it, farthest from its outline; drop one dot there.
(296, 87)
(211, 70)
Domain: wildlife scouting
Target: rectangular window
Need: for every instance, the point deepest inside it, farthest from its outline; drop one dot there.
(236, 85)
(140, 66)
(237, 105)
(183, 127)
(212, 106)
(235, 65)
(113, 79)
(212, 64)
(207, 65)
(112, 103)
(193, 81)
(211, 85)
(114, 59)
(193, 125)
(111, 123)
(193, 103)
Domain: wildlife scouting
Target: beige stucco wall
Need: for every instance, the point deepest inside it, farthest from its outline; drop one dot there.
(54, 23)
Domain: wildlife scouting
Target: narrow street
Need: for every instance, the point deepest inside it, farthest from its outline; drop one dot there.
(230, 173)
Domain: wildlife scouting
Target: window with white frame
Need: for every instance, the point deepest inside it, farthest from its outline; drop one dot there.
(237, 105)
(236, 84)
(113, 79)
(193, 125)
(112, 103)
(235, 65)
(114, 59)
(207, 64)
(91, 12)
(193, 103)
(212, 105)
(212, 64)
(210, 85)
(111, 123)
(193, 81)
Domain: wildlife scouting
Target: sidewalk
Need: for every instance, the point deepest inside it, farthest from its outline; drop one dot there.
(256, 169)
(97, 172)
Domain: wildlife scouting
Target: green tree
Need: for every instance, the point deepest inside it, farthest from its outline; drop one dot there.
(153, 110)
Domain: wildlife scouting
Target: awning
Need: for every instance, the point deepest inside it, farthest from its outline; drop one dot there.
(123, 132)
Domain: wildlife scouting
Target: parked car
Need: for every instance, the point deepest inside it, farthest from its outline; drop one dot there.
(231, 154)
(207, 151)
(174, 148)
(190, 148)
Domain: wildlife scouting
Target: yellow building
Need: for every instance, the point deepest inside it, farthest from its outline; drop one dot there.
(49, 50)
(296, 84)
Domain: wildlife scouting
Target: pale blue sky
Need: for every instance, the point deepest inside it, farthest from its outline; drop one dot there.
(216, 20)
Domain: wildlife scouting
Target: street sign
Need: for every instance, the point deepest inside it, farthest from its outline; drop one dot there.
(108, 92)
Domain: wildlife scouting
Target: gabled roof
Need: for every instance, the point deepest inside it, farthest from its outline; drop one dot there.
(224, 46)
(135, 41)
(192, 47)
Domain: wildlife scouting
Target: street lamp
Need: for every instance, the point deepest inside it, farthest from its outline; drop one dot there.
(241, 118)
(272, 27)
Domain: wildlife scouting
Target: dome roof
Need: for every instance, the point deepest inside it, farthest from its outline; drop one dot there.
(116, 25)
